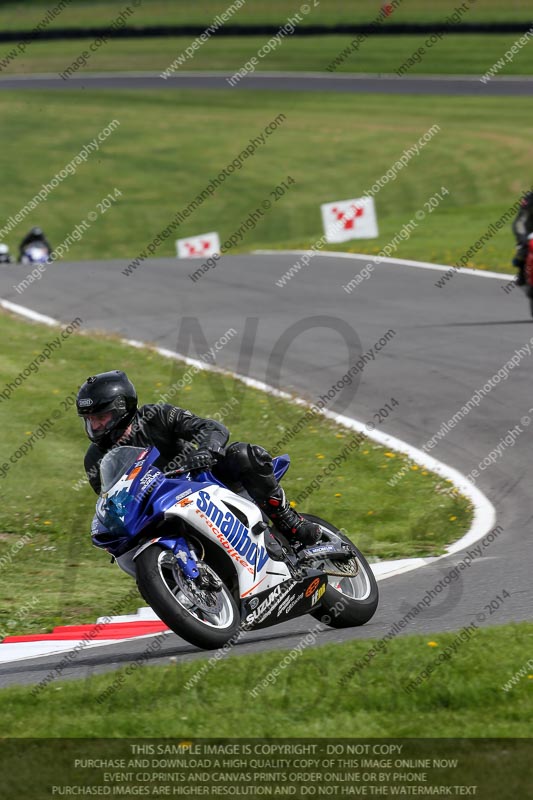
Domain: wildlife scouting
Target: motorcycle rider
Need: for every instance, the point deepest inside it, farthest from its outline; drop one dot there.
(107, 403)
(522, 227)
(35, 235)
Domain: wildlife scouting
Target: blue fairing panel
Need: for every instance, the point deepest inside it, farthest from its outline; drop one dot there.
(281, 465)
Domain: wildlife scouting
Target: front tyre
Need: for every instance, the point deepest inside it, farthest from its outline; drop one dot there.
(349, 600)
(207, 618)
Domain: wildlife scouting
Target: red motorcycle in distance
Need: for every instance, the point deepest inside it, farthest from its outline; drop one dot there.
(528, 288)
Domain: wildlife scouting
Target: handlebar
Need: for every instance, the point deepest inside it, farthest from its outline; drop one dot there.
(175, 472)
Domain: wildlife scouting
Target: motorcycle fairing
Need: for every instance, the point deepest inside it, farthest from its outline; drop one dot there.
(287, 600)
(227, 520)
(142, 498)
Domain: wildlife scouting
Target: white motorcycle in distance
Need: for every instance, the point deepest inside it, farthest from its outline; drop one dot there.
(35, 253)
(207, 562)
(5, 255)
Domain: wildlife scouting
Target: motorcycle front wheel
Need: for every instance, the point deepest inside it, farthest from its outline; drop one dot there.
(351, 597)
(205, 617)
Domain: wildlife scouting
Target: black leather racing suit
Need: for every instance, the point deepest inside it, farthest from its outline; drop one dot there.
(172, 430)
(522, 227)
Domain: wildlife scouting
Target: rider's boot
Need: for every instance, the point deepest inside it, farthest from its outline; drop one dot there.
(520, 278)
(519, 261)
(288, 522)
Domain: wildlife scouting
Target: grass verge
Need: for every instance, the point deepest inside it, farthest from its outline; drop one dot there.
(43, 509)
(170, 144)
(17, 15)
(454, 55)
(463, 696)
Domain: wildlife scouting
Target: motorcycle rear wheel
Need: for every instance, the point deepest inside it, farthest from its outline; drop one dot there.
(348, 601)
(205, 618)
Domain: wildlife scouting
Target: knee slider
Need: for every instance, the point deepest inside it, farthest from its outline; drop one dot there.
(260, 459)
(249, 459)
(237, 455)
(252, 466)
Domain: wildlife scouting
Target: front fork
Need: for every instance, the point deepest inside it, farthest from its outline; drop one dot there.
(185, 557)
(187, 561)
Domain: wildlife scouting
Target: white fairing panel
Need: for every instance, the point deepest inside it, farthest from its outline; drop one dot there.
(207, 511)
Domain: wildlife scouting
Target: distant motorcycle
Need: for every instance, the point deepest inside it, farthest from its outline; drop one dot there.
(528, 288)
(5, 255)
(35, 253)
(206, 560)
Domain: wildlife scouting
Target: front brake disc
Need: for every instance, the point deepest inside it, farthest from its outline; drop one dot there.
(207, 600)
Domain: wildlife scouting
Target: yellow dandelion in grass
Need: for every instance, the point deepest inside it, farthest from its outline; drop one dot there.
(369, 513)
(47, 522)
(433, 644)
(390, 455)
(55, 391)
(158, 383)
(187, 389)
(425, 472)
(452, 519)
(339, 436)
(319, 455)
(338, 494)
(313, 430)
(292, 504)
(415, 466)
(530, 677)
(366, 452)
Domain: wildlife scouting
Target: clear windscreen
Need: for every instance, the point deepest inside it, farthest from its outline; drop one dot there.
(116, 463)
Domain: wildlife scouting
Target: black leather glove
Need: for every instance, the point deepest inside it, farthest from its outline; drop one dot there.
(200, 459)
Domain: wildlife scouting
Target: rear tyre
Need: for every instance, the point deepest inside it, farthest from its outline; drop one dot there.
(349, 600)
(207, 618)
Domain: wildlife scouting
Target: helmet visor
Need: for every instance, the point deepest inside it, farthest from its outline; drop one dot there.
(99, 424)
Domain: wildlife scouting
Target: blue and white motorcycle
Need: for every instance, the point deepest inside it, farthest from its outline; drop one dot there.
(35, 253)
(207, 561)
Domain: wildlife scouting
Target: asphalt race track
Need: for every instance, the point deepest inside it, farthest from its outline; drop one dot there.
(281, 81)
(447, 343)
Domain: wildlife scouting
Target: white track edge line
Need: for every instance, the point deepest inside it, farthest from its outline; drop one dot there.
(403, 261)
(90, 646)
(27, 312)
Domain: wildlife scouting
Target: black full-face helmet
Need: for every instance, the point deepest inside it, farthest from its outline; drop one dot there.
(107, 404)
